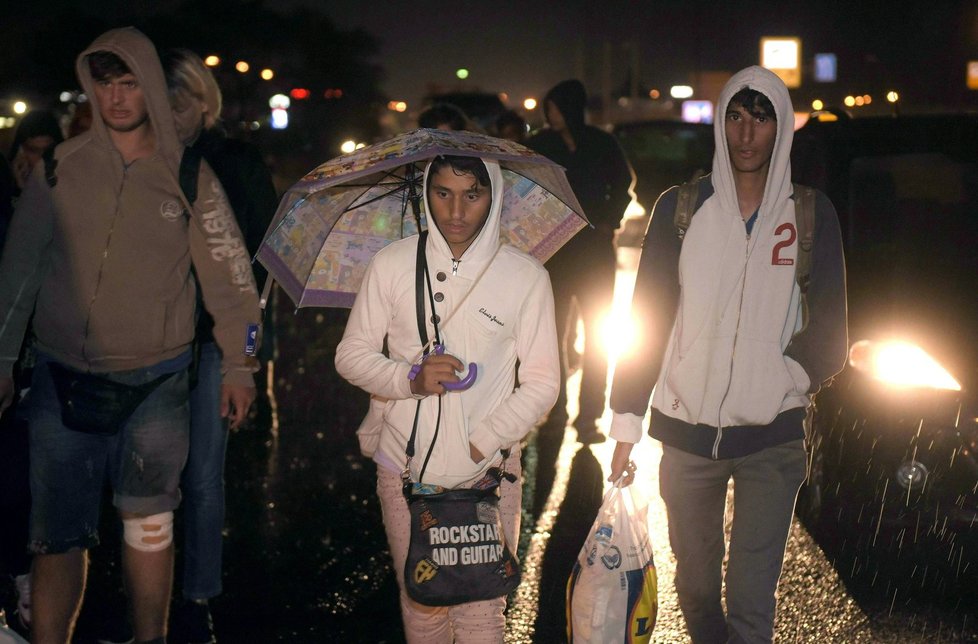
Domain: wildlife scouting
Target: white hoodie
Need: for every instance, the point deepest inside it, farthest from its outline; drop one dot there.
(740, 305)
(508, 317)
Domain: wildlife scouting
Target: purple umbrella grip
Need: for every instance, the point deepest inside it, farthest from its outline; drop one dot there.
(461, 385)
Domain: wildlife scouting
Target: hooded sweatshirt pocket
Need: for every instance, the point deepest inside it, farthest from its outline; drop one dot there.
(761, 380)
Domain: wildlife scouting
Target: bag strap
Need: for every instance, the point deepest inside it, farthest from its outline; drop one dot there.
(420, 279)
(805, 220)
(685, 206)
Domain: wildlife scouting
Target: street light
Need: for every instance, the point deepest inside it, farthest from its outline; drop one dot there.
(680, 91)
(818, 105)
(242, 66)
(267, 74)
(892, 96)
(530, 103)
(462, 73)
(212, 61)
(20, 107)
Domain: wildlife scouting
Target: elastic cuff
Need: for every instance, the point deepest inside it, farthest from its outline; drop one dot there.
(626, 427)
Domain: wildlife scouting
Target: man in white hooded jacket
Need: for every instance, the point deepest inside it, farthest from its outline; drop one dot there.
(732, 361)
(506, 319)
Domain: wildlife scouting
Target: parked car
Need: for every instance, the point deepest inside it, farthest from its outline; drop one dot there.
(894, 469)
(663, 154)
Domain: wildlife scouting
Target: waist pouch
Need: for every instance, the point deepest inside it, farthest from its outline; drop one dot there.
(95, 404)
(458, 552)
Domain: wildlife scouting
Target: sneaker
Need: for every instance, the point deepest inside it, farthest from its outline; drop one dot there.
(115, 632)
(23, 585)
(113, 623)
(193, 623)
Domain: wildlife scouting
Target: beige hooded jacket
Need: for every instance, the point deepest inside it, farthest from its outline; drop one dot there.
(106, 253)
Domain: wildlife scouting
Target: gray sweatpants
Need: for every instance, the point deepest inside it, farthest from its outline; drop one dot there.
(694, 489)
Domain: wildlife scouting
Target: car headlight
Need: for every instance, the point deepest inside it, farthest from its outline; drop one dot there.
(900, 364)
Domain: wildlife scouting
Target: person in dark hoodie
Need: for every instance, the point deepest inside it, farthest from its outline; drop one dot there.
(733, 361)
(37, 132)
(584, 269)
(101, 250)
(196, 100)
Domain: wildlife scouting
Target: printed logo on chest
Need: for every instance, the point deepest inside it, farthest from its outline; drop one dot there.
(787, 234)
(171, 210)
(491, 317)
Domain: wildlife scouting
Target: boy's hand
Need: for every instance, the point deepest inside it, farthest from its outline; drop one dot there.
(434, 371)
(620, 465)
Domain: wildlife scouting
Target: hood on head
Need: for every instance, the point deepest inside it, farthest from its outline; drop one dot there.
(139, 53)
(485, 243)
(778, 185)
(570, 98)
(36, 123)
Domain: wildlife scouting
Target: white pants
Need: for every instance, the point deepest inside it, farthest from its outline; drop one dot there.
(482, 621)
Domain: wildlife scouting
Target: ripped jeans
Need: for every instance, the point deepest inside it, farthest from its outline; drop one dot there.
(68, 468)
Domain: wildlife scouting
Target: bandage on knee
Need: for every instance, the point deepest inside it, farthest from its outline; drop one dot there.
(152, 533)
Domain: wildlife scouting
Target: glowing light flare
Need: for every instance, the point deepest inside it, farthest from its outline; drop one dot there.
(900, 364)
(462, 73)
(20, 107)
(817, 105)
(279, 101)
(348, 146)
(619, 333)
(242, 66)
(280, 118)
(267, 74)
(850, 101)
(212, 61)
(299, 93)
(654, 94)
(530, 103)
(680, 91)
(892, 96)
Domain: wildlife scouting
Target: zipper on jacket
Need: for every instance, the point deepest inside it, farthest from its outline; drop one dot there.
(105, 255)
(455, 263)
(715, 454)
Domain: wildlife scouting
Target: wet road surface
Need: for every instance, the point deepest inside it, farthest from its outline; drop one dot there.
(305, 553)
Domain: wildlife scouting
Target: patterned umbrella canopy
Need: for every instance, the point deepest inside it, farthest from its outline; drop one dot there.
(332, 222)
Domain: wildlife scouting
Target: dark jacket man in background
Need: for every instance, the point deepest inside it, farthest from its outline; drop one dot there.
(584, 269)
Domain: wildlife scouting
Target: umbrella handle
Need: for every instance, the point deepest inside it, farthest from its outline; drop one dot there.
(465, 382)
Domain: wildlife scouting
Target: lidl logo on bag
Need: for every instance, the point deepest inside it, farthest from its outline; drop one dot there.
(611, 558)
(425, 571)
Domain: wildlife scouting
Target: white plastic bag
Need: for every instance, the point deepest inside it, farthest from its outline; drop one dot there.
(612, 591)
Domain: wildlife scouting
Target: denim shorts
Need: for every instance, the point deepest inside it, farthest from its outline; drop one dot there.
(68, 468)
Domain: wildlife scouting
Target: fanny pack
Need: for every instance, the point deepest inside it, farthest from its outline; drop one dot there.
(94, 404)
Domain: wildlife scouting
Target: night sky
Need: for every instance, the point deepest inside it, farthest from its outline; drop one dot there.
(523, 48)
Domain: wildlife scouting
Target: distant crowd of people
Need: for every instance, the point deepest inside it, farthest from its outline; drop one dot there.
(130, 308)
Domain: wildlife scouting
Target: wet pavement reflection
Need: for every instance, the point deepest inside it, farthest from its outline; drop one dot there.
(306, 557)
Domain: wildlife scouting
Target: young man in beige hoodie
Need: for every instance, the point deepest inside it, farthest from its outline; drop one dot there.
(101, 250)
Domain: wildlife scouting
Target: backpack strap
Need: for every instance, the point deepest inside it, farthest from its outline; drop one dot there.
(685, 206)
(189, 171)
(805, 221)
